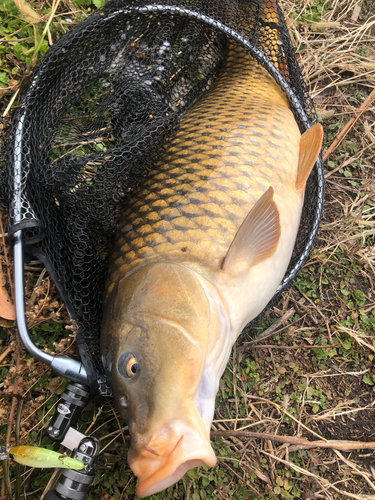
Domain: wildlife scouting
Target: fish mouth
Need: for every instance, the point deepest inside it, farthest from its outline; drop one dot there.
(160, 466)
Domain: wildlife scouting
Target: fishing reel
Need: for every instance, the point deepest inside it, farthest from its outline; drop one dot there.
(73, 484)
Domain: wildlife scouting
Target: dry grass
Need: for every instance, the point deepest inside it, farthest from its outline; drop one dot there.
(309, 375)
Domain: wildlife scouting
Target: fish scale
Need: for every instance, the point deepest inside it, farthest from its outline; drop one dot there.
(236, 142)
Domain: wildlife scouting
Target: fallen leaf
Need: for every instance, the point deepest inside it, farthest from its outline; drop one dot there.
(356, 12)
(325, 114)
(7, 310)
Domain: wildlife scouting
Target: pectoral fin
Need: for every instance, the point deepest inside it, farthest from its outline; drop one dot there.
(309, 149)
(257, 237)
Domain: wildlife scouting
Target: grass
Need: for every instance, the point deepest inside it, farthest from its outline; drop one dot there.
(313, 376)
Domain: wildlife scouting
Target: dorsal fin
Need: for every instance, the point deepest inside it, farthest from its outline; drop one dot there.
(309, 149)
(257, 237)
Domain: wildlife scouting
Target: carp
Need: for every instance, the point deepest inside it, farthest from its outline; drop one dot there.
(205, 241)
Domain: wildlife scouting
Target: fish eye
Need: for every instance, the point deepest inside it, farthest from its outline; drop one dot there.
(128, 365)
(132, 367)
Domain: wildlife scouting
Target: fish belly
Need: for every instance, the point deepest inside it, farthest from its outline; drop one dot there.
(236, 142)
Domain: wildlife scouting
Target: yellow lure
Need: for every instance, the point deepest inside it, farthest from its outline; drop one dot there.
(42, 458)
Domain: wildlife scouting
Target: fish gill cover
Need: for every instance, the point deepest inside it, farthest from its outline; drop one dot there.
(100, 108)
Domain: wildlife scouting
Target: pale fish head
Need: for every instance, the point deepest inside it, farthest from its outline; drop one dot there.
(158, 334)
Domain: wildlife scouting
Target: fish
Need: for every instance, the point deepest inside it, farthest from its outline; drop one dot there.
(204, 242)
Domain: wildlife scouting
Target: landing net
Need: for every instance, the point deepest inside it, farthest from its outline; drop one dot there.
(101, 107)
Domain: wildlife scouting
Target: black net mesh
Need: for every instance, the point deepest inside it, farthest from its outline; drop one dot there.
(101, 106)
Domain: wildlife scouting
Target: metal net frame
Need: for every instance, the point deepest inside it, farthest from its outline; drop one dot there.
(101, 107)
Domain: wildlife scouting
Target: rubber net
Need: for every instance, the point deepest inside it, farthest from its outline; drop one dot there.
(100, 108)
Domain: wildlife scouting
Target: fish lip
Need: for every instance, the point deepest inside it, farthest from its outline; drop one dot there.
(171, 472)
(170, 447)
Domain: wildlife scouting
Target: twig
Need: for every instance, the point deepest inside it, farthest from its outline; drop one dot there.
(321, 480)
(356, 337)
(348, 462)
(108, 444)
(342, 165)
(324, 375)
(10, 103)
(312, 303)
(96, 415)
(14, 400)
(235, 386)
(38, 283)
(241, 478)
(118, 423)
(287, 347)
(17, 491)
(342, 134)
(117, 433)
(188, 487)
(332, 413)
(6, 258)
(6, 484)
(51, 482)
(5, 353)
(100, 426)
(300, 443)
(51, 16)
(283, 410)
(126, 487)
(45, 416)
(270, 331)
